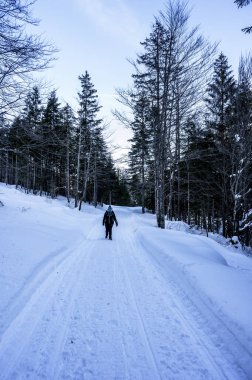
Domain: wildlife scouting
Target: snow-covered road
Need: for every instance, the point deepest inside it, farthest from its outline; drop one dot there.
(101, 309)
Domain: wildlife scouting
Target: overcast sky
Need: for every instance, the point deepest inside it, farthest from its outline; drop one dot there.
(99, 36)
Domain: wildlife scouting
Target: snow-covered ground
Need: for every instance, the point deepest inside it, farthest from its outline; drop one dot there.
(150, 304)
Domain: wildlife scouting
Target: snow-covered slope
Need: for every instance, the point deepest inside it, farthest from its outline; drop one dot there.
(151, 304)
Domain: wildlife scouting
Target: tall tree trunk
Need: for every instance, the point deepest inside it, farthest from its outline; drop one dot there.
(188, 194)
(16, 169)
(143, 182)
(78, 170)
(67, 169)
(34, 177)
(7, 168)
(85, 182)
(95, 182)
(28, 173)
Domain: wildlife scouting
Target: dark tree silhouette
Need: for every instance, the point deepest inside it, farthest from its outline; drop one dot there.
(240, 4)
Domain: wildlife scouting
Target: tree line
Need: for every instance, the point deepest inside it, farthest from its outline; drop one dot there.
(191, 146)
(46, 147)
(191, 122)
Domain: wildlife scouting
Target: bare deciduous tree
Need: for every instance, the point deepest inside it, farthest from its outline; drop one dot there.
(20, 53)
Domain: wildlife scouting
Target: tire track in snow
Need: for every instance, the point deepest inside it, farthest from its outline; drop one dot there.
(185, 311)
(97, 351)
(36, 278)
(139, 356)
(222, 340)
(153, 371)
(197, 354)
(109, 339)
(43, 305)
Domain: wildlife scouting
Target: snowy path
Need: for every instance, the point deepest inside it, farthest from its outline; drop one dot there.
(110, 310)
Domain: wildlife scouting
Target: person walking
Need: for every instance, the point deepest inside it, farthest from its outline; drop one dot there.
(108, 220)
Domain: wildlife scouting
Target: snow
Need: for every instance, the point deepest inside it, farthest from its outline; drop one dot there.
(150, 304)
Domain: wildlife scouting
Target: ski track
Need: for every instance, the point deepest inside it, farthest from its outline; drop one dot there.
(39, 275)
(108, 310)
(202, 351)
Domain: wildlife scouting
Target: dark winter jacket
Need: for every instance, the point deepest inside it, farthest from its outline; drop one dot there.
(109, 218)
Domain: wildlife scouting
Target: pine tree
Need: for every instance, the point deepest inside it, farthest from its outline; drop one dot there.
(200, 191)
(220, 104)
(24, 137)
(52, 141)
(220, 95)
(33, 109)
(140, 148)
(67, 158)
(88, 129)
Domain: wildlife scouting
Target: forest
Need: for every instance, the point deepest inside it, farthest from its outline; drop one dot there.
(191, 120)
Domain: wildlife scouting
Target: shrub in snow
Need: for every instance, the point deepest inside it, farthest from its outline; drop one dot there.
(24, 209)
(177, 225)
(234, 241)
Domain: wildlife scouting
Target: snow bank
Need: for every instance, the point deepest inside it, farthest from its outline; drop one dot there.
(34, 230)
(202, 263)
